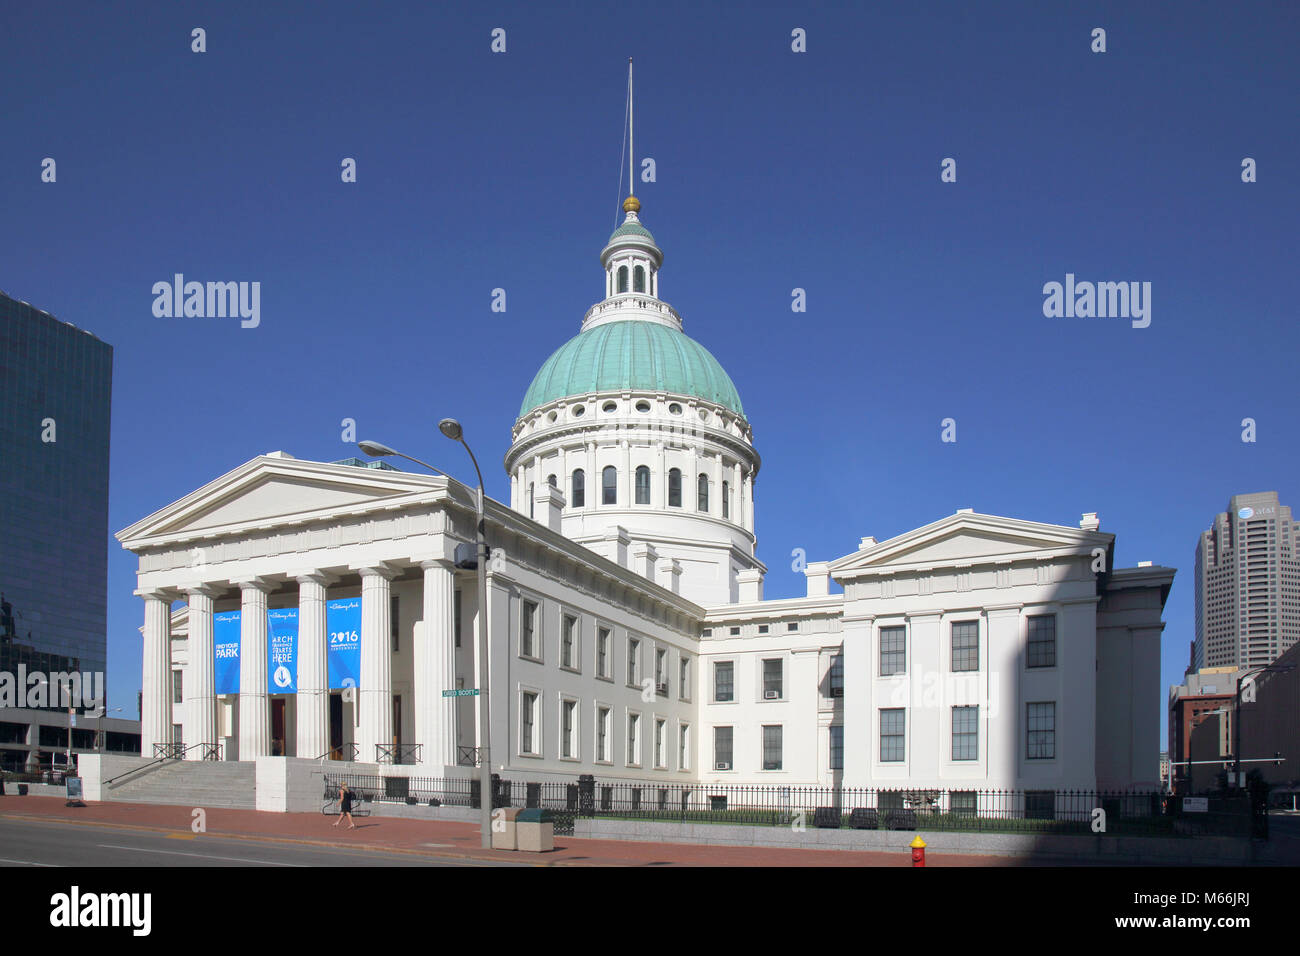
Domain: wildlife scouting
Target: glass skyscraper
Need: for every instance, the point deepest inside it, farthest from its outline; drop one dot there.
(55, 387)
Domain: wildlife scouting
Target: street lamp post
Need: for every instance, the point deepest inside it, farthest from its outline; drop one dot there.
(452, 429)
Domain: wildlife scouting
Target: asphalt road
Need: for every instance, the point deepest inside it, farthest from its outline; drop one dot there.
(42, 844)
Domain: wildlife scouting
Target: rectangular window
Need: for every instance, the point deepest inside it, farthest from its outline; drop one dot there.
(602, 734)
(633, 659)
(683, 678)
(772, 679)
(893, 734)
(963, 802)
(602, 652)
(528, 629)
(659, 742)
(684, 747)
(837, 747)
(568, 640)
(393, 620)
(772, 747)
(837, 675)
(1042, 641)
(633, 740)
(568, 728)
(528, 718)
(722, 739)
(661, 672)
(893, 650)
(965, 646)
(724, 681)
(965, 733)
(178, 687)
(1040, 727)
(455, 616)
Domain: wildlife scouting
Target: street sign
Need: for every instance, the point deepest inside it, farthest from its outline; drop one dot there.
(1196, 804)
(463, 692)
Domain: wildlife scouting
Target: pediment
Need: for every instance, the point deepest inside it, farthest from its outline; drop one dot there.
(968, 539)
(266, 492)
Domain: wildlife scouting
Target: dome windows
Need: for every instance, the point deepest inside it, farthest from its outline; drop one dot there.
(579, 411)
(552, 417)
(642, 485)
(674, 487)
(726, 500)
(638, 279)
(674, 409)
(609, 408)
(643, 407)
(702, 493)
(609, 485)
(622, 279)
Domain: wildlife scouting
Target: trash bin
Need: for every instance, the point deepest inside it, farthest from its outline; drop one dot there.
(504, 831)
(22, 790)
(536, 830)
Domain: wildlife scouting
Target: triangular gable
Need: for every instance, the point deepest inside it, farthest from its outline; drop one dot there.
(966, 539)
(279, 490)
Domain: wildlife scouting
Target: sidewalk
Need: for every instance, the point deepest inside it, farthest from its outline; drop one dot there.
(446, 839)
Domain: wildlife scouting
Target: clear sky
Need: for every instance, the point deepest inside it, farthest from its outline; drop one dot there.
(775, 170)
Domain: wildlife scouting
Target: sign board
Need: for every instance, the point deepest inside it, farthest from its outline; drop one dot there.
(74, 788)
(466, 692)
(1196, 804)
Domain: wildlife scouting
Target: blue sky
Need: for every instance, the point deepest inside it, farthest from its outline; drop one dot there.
(775, 170)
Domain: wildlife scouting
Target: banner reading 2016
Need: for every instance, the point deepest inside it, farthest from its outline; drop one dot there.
(282, 650)
(225, 651)
(343, 626)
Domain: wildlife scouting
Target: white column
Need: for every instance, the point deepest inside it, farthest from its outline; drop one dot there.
(254, 704)
(435, 715)
(715, 493)
(376, 698)
(593, 480)
(200, 673)
(514, 491)
(313, 678)
(658, 479)
(749, 502)
(156, 703)
(859, 713)
(625, 478)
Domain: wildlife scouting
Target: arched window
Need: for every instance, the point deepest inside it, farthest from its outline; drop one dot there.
(638, 279)
(674, 488)
(642, 485)
(702, 492)
(530, 499)
(609, 485)
(726, 500)
(622, 278)
(579, 496)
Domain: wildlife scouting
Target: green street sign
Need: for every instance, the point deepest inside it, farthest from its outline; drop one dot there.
(467, 692)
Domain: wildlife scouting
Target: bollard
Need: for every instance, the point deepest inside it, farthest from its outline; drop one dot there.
(918, 851)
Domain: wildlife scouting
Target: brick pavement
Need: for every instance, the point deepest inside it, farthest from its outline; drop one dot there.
(450, 839)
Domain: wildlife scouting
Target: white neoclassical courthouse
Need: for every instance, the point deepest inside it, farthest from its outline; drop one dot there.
(628, 632)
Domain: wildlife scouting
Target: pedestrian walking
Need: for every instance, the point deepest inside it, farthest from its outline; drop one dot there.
(345, 806)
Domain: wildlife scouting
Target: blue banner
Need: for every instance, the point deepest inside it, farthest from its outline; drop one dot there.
(225, 651)
(282, 650)
(343, 625)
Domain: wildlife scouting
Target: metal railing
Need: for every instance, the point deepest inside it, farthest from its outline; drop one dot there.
(397, 753)
(346, 752)
(171, 751)
(467, 756)
(1127, 813)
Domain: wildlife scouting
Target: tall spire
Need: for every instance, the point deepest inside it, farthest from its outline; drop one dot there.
(631, 148)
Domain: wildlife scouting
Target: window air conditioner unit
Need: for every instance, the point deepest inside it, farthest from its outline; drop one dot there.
(837, 691)
(723, 765)
(771, 695)
(661, 690)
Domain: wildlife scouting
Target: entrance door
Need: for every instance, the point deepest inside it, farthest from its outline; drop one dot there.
(397, 728)
(336, 725)
(277, 727)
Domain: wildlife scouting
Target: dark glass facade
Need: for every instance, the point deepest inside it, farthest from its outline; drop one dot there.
(55, 383)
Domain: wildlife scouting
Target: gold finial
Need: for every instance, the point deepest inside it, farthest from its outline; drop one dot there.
(631, 204)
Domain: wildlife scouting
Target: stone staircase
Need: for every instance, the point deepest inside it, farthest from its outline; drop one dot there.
(190, 783)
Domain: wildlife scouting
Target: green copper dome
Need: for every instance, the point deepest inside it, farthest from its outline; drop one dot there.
(632, 355)
(630, 229)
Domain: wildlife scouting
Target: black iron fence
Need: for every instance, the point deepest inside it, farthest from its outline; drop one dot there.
(1129, 813)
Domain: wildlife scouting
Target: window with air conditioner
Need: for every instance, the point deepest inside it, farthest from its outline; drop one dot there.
(773, 678)
(722, 741)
